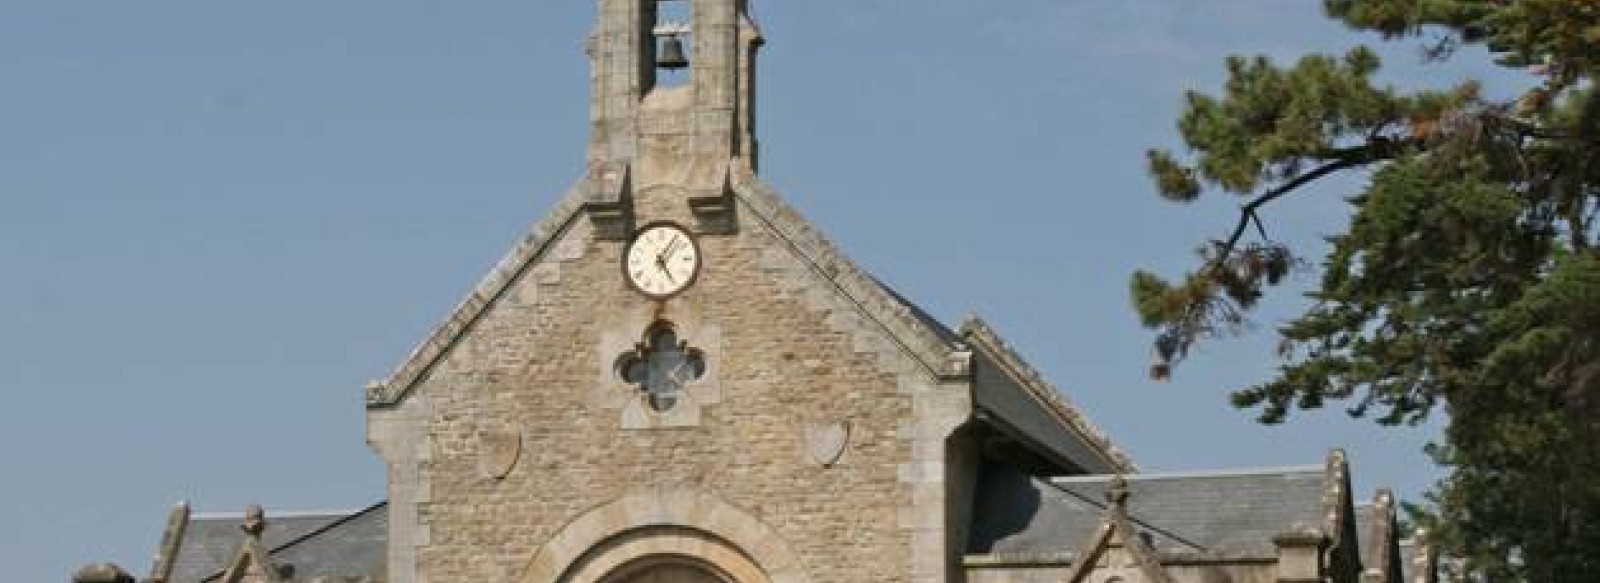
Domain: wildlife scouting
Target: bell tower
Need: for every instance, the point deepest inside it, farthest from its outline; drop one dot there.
(673, 96)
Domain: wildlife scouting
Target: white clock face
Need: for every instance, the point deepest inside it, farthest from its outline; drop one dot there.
(661, 260)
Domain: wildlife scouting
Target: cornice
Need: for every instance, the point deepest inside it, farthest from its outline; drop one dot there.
(978, 332)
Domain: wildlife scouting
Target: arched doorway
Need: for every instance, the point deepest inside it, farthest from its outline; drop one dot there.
(706, 539)
(665, 555)
(673, 570)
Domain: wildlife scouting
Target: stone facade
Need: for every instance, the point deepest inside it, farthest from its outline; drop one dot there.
(786, 354)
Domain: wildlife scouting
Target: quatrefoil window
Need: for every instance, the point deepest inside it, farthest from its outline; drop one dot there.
(661, 366)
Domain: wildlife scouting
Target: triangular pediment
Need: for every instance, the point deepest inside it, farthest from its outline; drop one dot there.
(251, 566)
(934, 348)
(1117, 550)
(1117, 546)
(252, 563)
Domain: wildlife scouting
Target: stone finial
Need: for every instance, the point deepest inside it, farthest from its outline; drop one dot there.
(375, 391)
(1117, 492)
(255, 521)
(1383, 562)
(1342, 556)
(1425, 561)
(253, 561)
(101, 573)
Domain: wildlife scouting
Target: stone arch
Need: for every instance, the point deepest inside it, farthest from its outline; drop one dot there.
(690, 555)
(668, 568)
(665, 522)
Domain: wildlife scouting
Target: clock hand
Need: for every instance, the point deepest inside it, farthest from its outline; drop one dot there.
(661, 263)
(671, 246)
(661, 259)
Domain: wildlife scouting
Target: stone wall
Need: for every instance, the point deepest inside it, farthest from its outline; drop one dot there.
(529, 391)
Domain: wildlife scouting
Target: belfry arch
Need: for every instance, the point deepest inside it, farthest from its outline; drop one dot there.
(666, 536)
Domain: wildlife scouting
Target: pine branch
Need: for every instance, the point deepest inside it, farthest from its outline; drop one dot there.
(1376, 150)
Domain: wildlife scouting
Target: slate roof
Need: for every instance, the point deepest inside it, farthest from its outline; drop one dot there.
(313, 544)
(1233, 513)
(976, 333)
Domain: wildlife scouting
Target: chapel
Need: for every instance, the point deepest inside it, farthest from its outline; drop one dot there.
(675, 378)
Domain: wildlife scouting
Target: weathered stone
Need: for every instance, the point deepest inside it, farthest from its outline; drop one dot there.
(101, 573)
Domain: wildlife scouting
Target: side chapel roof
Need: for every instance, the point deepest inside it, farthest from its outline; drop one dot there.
(337, 545)
(1224, 513)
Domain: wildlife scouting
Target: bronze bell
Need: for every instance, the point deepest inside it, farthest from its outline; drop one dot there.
(672, 56)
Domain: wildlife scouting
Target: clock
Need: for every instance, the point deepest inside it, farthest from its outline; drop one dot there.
(661, 260)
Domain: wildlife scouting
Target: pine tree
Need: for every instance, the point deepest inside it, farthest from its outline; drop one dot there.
(1467, 280)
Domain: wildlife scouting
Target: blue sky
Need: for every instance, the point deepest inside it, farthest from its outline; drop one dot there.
(218, 220)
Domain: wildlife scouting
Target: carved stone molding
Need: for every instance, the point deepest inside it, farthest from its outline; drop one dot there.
(651, 522)
(623, 336)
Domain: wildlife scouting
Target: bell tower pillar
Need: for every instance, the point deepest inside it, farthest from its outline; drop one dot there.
(673, 95)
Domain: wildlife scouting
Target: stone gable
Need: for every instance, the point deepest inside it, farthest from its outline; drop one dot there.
(788, 353)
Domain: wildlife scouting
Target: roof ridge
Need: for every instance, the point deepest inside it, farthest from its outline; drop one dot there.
(1219, 473)
(307, 513)
(330, 526)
